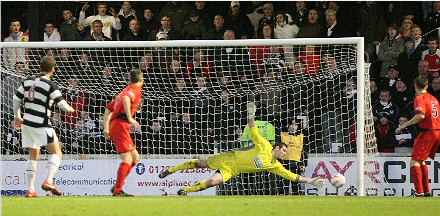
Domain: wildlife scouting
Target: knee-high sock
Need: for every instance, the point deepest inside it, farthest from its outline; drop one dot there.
(416, 172)
(52, 166)
(31, 172)
(196, 187)
(187, 165)
(123, 171)
(425, 179)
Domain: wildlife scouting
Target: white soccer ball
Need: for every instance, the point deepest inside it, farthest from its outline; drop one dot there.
(338, 180)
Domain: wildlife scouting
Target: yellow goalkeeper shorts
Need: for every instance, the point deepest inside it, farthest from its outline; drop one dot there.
(225, 163)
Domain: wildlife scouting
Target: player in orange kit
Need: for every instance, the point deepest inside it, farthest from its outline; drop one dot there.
(118, 120)
(426, 107)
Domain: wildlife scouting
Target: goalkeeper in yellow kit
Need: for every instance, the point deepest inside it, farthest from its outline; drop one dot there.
(263, 157)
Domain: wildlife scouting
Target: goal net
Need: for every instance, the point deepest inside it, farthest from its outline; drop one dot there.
(195, 95)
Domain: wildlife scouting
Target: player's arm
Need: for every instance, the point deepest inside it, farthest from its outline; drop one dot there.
(256, 138)
(283, 172)
(107, 117)
(416, 119)
(16, 103)
(55, 95)
(127, 107)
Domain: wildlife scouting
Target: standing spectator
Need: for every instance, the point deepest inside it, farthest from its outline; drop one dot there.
(193, 28)
(166, 31)
(432, 22)
(312, 28)
(239, 22)
(97, 34)
(125, 15)
(51, 34)
(148, 23)
(404, 141)
(402, 95)
(390, 15)
(334, 29)
(219, 29)
(68, 26)
(82, 32)
(255, 13)
(405, 29)
(134, 34)
(283, 30)
(432, 55)
(178, 11)
(408, 60)
(13, 55)
(204, 14)
(389, 82)
(384, 105)
(108, 22)
(300, 13)
(268, 18)
(371, 26)
(390, 49)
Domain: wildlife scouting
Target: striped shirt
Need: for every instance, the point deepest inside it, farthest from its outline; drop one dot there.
(38, 94)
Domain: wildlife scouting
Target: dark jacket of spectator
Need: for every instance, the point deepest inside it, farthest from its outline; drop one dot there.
(160, 34)
(80, 36)
(178, 11)
(216, 34)
(299, 17)
(432, 22)
(390, 109)
(371, 22)
(131, 36)
(407, 62)
(193, 30)
(411, 130)
(310, 30)
(68, 29)
(92, 38)
(125, 22)
(148, 25)
(241, 25)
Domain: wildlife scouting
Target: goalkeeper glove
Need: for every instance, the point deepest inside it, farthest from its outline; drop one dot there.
(251, 109)
(317, 182)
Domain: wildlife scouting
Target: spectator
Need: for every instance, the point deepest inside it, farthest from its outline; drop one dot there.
(228, 113)
(233, 59)
(371, 26)
(268, 18)
(178, 12)
(432, 56)
(389, 82)
(108, 22)
(299, 15)
(68, 27)
(402, 95)
(384, 105)
(313, 27)
(156, 138)
(384, 134)
(219, 29)
(390, 49)
(405, 29)
(9, 85)
(89, 122)
(404, 141)
(13, 55)
(229, 35)
(432, 22)
(51, 34)
(180, 86)
(97, 34)
(204, 14)
(148, 23)
(193, 28)
(435, 87)
(199, 65)
(334, 29)
(265, 57)
(283, 30)
(126, 15)
(374, 91)
(390, 15)
(408, 60)
(422, 69)
(255, 13)
(268, 32)
(82, 32)
(134, 34)
(77, 99)
(311, 59)
(166, 31)
(239, 22)
(146, 62)
(419, 43)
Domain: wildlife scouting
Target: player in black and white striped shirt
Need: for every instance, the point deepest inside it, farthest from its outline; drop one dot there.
(38, 95)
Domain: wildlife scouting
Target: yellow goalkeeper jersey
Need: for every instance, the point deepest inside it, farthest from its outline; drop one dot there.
(260, 158)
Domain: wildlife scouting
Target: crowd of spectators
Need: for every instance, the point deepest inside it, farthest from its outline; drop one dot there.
(401, 42)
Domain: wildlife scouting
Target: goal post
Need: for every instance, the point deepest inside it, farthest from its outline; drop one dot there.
(188, 80)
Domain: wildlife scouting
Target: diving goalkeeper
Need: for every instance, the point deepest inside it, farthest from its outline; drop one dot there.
(263, 157)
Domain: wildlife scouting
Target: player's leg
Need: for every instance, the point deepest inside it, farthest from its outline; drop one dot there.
(195, 163)
(425, 179)
(53, 163)
(416, 173)
(215, 180)
(123, 171)
(31, 170)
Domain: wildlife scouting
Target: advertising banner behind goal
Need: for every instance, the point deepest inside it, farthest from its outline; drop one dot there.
(384, 176)
(96, 177)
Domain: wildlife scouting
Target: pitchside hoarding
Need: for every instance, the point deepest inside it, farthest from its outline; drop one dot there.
(384, 176)
(96, 177)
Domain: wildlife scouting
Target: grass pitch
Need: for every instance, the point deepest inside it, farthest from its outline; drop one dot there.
(221, 205)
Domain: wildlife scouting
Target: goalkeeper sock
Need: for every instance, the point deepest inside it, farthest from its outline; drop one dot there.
(52, 166)
(416, 172)
(187, 165)
(31, 171)
(196, 187)
(425, 179)
(123, 171)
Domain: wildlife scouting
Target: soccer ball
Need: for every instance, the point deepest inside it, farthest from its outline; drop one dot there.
(338, 180)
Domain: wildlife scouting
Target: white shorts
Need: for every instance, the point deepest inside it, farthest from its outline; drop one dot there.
(37, 137)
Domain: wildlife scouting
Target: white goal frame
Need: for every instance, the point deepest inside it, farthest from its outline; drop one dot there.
(359, 41)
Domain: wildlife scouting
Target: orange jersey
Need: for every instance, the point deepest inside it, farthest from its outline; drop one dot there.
(429, 106)
(134, 92)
